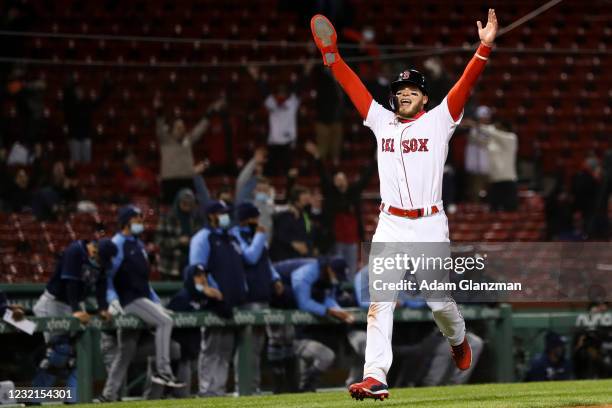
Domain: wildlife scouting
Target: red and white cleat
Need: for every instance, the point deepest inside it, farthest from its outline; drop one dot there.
(325, 38)
(462, 354)
(369, 388)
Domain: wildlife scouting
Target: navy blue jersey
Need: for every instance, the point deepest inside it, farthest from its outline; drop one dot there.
(128, 278)
(75, 277)
(189, 299)
(221, 255)
(259, 271)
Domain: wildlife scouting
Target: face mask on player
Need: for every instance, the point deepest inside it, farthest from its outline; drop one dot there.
(224, 221)
(136, 228)
(262, 197)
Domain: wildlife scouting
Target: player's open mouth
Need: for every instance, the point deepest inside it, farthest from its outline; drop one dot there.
(405, 101)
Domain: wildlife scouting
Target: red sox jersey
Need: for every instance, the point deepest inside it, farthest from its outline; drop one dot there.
(411, 155)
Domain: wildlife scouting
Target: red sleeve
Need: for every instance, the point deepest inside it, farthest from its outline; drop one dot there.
(458, 95)
(352, 85)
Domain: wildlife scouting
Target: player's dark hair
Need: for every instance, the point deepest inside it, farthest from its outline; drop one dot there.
(296, 192)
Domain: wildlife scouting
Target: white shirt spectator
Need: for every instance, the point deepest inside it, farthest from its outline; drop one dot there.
(282, 120)
(19, 155)
(502, 148)
(476, 153)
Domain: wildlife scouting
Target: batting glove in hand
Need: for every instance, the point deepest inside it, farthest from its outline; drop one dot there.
(325, 38)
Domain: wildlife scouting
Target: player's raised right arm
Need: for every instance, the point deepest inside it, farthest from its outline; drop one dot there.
(325, 38)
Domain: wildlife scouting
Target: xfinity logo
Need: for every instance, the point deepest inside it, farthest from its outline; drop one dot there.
(244, 318)
(213, 320)
(128, 322)
(301, 317)
(274, 318)
(185, 320)
(58, 324)
(591, 320)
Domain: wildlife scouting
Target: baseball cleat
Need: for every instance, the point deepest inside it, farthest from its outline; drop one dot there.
(369, 388)
(167, 380)
(325, 38)
(462, 354)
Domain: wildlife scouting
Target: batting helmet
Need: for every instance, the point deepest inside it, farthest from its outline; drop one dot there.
(408, 77)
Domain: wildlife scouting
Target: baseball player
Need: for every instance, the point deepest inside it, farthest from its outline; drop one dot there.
(412, 148)
(80, 270)
(311, 285)
(129, 290)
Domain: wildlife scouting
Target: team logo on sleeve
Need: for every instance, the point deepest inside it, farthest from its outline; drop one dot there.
(414, 145)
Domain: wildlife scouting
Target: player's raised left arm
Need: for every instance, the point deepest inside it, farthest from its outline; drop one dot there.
(458, 95)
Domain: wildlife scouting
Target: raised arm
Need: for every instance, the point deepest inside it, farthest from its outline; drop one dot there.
(458, 95)
(198, 130)
(325, 38)
(247, 175)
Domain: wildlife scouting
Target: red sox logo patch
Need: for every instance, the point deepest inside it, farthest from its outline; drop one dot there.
(414, 145)
(387, 145)
(405, 75)
(408, 145)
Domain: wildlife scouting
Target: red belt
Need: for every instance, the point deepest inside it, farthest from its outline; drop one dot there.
(414, 213)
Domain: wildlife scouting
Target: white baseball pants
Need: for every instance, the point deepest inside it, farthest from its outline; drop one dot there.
(393, 229)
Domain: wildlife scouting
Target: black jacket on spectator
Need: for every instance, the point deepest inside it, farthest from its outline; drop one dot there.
(329, 101)
(18, 199)
(78, 113)
(588, 191)
(287, 228)
(336, 202)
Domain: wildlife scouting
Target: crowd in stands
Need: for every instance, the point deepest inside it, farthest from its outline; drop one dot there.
(297, 239)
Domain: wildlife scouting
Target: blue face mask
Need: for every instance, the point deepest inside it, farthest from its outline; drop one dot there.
(137, 228)
(224, 221)
(199, 287)
(261, 197)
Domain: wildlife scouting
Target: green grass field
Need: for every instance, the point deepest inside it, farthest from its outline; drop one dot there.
(557, 394)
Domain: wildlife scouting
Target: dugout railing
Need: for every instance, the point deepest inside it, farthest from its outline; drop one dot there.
(498, 320)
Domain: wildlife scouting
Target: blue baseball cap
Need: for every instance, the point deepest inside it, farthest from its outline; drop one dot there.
(246, 211)
(217, 207)
(127, 213)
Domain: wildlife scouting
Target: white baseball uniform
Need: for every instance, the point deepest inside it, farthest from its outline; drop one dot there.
(411, 156)
(411, 160)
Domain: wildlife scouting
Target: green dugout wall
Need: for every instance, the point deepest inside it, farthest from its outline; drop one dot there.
(503, 329)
